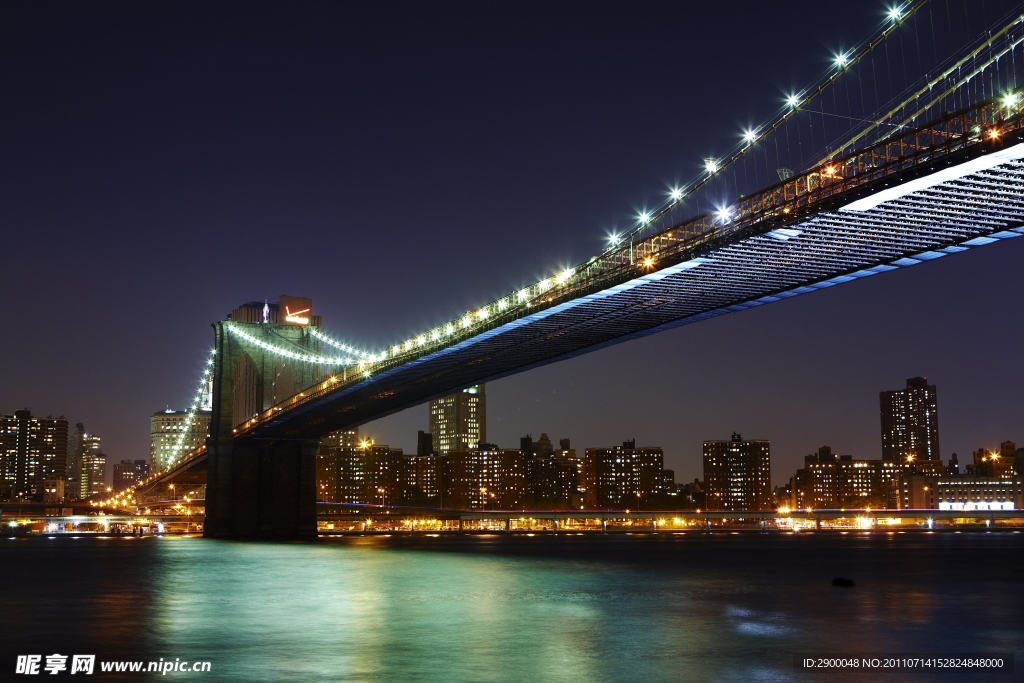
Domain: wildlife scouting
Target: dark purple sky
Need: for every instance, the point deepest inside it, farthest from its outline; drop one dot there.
(161, 163)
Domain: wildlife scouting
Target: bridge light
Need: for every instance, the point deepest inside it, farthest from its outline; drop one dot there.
(723, 215)
(614, 239)
(449, 329)
(421, 340)
(896, 13)
(648, 262)
(841, 60)
(750, 135)
(564, 275)
(435, 335)
(793, 100)
(1011, 100)
(993, 133)
(676, 194)
(711, 165)
(644, 217)
(523, 294)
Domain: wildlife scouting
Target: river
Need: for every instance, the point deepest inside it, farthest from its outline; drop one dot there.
(588, 608)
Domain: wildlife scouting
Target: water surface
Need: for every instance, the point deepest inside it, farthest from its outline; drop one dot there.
(496, 608)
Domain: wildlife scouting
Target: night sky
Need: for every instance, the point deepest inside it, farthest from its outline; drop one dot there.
(161, 163)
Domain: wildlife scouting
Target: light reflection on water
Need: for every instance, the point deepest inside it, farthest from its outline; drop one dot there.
(566, 608)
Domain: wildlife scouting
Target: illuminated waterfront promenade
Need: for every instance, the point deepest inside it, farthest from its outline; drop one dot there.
(368, 519)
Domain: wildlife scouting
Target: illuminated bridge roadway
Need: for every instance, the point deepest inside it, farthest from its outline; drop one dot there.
(931, 192)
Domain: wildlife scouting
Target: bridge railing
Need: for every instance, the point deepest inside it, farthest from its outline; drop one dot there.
(782, 202)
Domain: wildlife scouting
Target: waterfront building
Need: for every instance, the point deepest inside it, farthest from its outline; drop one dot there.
(968, 492)
(128, 472)
(93, 469)
(737, 474)
(553, 480)
(458, 422)
(167, 426)
(32, 450)
(998, 465)
(90, 460)
(979, 493)
(830, 481)
(623, 476)
(76, 446)
(424, 484)
(370, 474)
(485, 478)
(910, 422)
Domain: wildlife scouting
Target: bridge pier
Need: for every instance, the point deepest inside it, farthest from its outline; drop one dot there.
(261, 489)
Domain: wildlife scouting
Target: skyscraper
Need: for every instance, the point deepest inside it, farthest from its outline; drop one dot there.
(92, 468)
(92, 465)
(910, 422)
(76, 446)
(458, 422)
(166, 427)
(737, 474)
(32, 450)
(621, 477)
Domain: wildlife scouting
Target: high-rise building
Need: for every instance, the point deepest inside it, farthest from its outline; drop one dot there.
(32, 450)
(76, 446)
(737, 474)
(368, 473)
(621, 477)
(828, 480)
(424, 443)
(167, 426)
(553, 479)
(128, 472)
(93, 469)
(328, 460)
(485, 478)
(910, 422)
(458, 422)
(91, 466)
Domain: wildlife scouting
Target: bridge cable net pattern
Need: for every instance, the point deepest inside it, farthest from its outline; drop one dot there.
(766, 224)
(792, 238)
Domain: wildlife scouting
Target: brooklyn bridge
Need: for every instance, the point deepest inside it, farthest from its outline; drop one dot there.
(936, 181)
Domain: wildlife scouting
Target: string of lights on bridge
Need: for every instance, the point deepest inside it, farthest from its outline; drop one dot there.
(293, 355)
(524, 298)
(713, 167)
(197, 402)
(532, 294)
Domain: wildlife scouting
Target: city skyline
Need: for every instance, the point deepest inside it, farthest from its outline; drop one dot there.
(530, 341)
(825, 355)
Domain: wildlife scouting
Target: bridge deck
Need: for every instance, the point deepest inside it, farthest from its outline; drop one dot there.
(940, 205)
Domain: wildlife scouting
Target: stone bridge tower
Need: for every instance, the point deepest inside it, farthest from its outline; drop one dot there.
(259, 487)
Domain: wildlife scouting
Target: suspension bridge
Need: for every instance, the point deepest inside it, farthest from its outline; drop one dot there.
(924, 180)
